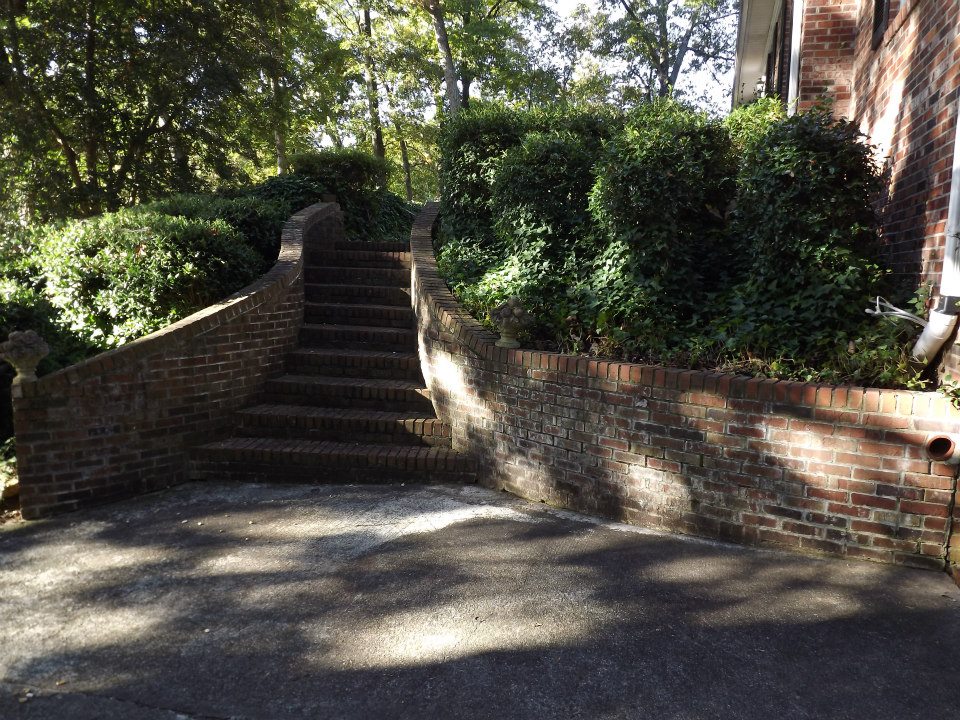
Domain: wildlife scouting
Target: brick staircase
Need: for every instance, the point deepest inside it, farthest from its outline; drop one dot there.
(352, 406)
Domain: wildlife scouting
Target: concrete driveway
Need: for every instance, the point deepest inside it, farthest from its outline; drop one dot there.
(276, 602)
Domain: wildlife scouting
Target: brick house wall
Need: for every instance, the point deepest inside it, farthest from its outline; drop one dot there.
(816, 468)
(827, 53)
(902, 86)
(123, 422)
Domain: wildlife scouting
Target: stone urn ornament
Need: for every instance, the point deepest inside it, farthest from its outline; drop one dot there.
(510, 319)
(24, 350)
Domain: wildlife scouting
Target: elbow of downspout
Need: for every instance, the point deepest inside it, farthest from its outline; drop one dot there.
(939, 328)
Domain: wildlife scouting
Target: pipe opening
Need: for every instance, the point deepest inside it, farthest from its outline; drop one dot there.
(941, 448)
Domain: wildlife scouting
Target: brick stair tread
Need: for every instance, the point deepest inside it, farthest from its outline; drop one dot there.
(382, 417)
(348, 362)
(378, 246)
(356, 258)
(345, 353)
(360, 328)
(320, 452)
(379, 383)
(359, 337)
(401, 294)
(354, 305)
(373, 276)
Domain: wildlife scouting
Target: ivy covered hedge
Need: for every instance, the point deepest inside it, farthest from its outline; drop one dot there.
(748, 244)
(93, 284)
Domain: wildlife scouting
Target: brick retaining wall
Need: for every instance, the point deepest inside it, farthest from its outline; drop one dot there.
(123, 421)
(817, 468)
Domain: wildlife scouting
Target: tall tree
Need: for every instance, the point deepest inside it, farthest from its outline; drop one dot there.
(97, 87)
(659, 40)
(436, 12)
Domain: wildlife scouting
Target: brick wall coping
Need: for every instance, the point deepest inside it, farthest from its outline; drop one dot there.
(266, 288)
(474, 336)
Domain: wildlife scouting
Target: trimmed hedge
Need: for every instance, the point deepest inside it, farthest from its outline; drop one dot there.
(122, 275)
(664, 186)
(746, 245)
(359, 182)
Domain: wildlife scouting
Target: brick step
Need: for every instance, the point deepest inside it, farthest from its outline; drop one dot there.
(349, 392)
(379, 295)
(320, 461)
(343, 425)
(359, 314)
(357, 276)
(354, 363)
(358, 258)
(380, 246)
(358, 337)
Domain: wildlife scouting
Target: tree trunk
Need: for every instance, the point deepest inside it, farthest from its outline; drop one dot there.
(465, 82)
(373, 90)
(91, 149)
(435, 9)
(405, 161)
(281, 110)
(280, 145)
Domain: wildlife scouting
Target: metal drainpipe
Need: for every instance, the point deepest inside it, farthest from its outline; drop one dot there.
(943, 315)
(796, 35)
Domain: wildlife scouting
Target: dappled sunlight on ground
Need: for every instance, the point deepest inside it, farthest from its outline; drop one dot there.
(291, 601)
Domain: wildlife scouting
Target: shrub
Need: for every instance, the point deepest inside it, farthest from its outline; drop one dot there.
(749, 124)
(259, 221)
(541, 189)
(472, 145)
(392, 219)
(344, 171)
(359, 181)
(290, 193)
(121, 275)
(664, 187)
(668, 268)
(805, 215)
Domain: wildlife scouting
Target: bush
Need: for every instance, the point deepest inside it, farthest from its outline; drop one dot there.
(290, 193)
(259, 221)
(516, 219)
(663, 190)
(472, 145)
(749, 124)
(121, 275)
(359, 181)
(805, 216)
(343, 172)
(541, 189)
(667, 268)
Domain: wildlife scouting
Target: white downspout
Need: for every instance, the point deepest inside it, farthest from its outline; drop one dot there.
(943, 315)
(796, 35)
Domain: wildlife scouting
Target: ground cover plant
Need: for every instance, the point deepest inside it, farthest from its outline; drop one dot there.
(748, 244)
(90, 284)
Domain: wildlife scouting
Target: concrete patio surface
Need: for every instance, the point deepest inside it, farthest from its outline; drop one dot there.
(275, 602)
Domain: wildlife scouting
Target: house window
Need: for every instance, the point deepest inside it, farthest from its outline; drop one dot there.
(881, 18)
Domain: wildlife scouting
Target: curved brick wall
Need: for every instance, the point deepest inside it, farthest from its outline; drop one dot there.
(817, 468)
(123, 421)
